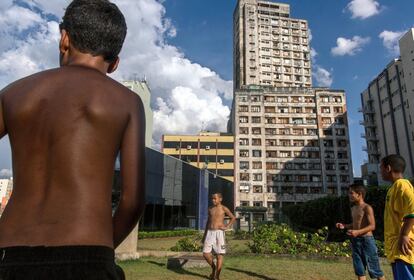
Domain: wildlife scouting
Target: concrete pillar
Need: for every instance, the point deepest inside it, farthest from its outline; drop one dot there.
(128, 249)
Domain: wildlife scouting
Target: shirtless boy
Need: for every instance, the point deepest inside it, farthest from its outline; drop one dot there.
(364, 249)
(66, 126)
(214, 236)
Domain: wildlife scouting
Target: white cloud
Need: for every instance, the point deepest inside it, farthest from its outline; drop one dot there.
(390, 39)
(322, 76)
(349, 46)
(363, 9)
(6, 173)
(185, 95)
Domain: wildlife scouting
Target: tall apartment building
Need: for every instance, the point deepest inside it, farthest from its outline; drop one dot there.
(270, 48)
(388, 112)
(292, 145)
(6, 187)
(211, 150)
(142, 89)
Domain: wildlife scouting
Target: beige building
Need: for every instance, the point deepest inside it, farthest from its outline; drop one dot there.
(270, 47)
(388, 112)
(211, 150)
(291, 145)
(6, 187)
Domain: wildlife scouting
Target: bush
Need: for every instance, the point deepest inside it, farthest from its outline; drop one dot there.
(313, 215)
(240, 235)
(188, 244)
(280, 239)
(167, 233)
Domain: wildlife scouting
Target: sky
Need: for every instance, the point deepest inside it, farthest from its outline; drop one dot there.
(184, 50)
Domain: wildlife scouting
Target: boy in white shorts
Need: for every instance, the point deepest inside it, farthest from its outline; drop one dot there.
(214, 236)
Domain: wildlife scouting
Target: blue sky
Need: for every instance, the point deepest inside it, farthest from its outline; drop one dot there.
(184, 49)
(204, 33)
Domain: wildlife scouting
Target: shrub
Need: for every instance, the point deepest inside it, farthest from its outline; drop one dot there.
(280, 239)
(315, 214)
(167, 233)
(188, 244)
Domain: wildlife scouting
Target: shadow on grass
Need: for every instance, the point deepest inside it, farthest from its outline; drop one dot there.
(249, 273)
(179, 270)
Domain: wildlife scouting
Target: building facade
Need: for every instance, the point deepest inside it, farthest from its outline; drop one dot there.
(291, 145)
(270, 48)
(6, 187)
(387, 108)
(143, 90)
(211, 150)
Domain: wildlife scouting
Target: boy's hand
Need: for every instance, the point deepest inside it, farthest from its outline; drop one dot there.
(224, 228)
(405, 244)
(340, 226)
(352, 233)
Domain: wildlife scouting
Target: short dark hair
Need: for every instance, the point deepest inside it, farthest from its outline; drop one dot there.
(95, 26)
(396, 162)
(359, 189)
(217, 193)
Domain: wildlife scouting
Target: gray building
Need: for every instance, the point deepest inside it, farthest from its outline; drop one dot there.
(177, 193)
(270, 47)
(387, 108)
(291, 145)
(143, 90)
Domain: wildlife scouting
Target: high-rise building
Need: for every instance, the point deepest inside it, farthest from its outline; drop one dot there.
(291, 145)
(6, 187)
(291, 140)
(143, 90)
(211, 150)
(388, 112)
(270, 47)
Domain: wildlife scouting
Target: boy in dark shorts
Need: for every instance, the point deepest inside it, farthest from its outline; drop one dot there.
(66, 126)
(398, 218)
(364, 249)
(214, 238)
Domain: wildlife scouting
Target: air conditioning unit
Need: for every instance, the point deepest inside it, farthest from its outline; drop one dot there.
(189, 147)
(222, 161)
(207, 147)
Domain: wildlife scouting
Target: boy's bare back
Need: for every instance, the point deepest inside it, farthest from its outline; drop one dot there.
(66, 126)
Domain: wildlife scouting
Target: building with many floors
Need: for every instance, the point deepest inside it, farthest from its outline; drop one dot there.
(388, 112)
(270, 48)
(6, 187)
(291, 145)
(211, 150)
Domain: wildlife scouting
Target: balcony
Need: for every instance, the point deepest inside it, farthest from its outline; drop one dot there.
(366, 110)
(368, 123)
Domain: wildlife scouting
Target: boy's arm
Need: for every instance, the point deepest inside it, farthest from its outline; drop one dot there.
(232, 218)
(132, 200)
(206, 229)
(369, 212)
(405, 244)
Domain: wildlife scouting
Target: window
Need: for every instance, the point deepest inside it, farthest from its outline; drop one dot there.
(255, 109)
(244, 165)
(271, 165)
(244, 142)
(256, 130)
(243, 119)
(271, 154)
(284, 143)
(244, 108)
(256, 142)
(284, 154)
(257, 177)
(257, 153)
(270, 120)
(338, 110)
(270, 131)
(270, 109)
(257, 189)
(244, 153)
(243, 130)
(327, 132)
(257, 165)
(256, 120)
(258, 204)
(298, 143)
(244, 203)
(283, 120)
(244, 176)
(325, 110)
(270, 142)
(326, 121)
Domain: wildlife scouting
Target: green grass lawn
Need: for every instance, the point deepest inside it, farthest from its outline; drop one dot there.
(248, 267)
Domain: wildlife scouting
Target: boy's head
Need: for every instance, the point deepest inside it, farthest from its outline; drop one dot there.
(392, 166)
(216, 198)
(356, 192)
(94, 27)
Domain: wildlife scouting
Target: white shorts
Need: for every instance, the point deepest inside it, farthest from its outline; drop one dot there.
(215, 240)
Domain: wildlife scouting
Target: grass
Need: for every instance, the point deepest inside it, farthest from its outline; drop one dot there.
(249, 267)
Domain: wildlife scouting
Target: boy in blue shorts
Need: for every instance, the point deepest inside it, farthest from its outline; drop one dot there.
(398, 218)
(364, 249)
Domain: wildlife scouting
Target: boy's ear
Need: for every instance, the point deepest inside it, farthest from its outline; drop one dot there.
(388, 168)
(113, 66)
